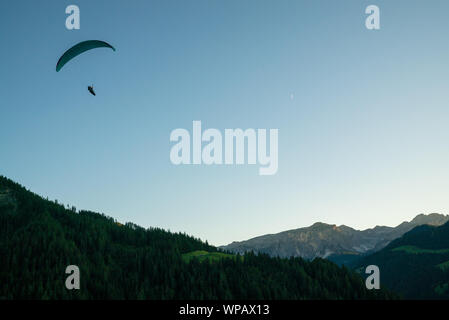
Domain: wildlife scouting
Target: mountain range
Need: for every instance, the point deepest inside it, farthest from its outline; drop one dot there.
(340, 244)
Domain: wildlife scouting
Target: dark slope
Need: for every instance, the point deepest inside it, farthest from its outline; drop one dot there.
(39, 238)
(417, 264)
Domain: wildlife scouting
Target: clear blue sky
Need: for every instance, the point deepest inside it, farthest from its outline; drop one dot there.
(363, 142)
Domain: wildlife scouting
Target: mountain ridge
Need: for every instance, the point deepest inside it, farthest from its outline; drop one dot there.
(336, 243)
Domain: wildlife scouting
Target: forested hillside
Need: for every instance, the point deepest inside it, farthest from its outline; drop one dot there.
(417, 264)
(40, 238)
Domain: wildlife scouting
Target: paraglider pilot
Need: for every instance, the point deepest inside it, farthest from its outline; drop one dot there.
(91, 90)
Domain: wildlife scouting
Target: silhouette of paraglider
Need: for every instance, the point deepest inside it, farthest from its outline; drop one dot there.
(78, 49)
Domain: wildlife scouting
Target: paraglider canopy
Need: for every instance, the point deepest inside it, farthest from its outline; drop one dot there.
(80, 48)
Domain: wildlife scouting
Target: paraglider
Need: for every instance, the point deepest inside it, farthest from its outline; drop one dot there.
(91, 90)
(78, 49)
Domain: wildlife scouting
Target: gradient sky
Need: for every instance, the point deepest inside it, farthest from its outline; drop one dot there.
(363, 142)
